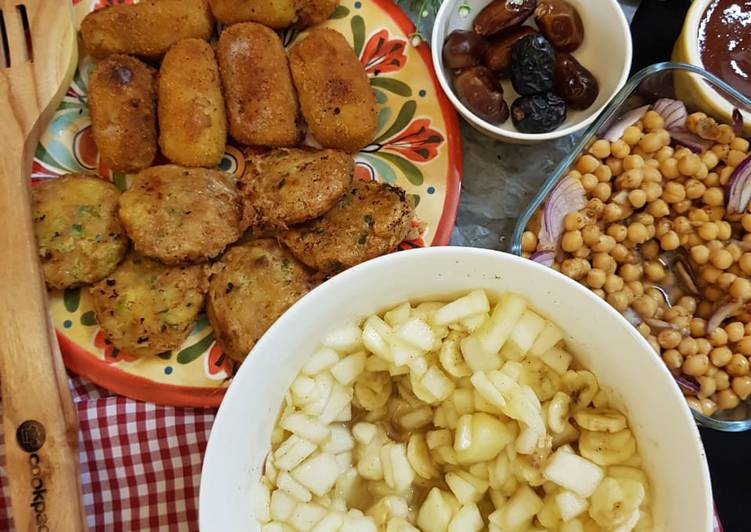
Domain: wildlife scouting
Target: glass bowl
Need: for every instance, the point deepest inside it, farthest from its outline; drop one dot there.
(662, 80)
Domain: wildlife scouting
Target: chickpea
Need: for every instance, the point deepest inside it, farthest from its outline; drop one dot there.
(710, 274)
(632, 162)
(620, 149)
(672, 358)
(637, 233)
(714, 245)
(746, 222)
(596, 278)
(591, 234)
(708, 231)
(721, 259)
(637, 198)
(600, 149)
(688, 303)
(601, 191)
(612, 213)
(669, 338)
(673, 192)
(529, 241)
(739, 144)
(574, 221)
(651, 172)
(688, 347)
(575, 268)
(708, 407)
(582, 253)
(650, 250)
(695, 404)
(698, 215)
(741, 386)
(689, 165)
(741, 289)
(735, 158)
(698, 328)
(630, 272)
(587, 164)
(713, 294)
(594, 208)
(727, 399)
(702, 173)
(669, 168)
(718, 337)
(618, 300)
(670, 241)
(724, 230)
(707, 386)
(721, 356)
(682, 206)
(603, 173)
(619, 252)
(630, 179)
(681, 225)
(613, 283)
(588, 181)
(571, 241)
(654, 271)
(619, 233)
(710, 159)
(694, 189)
(651, 142)
(722, 380)
(714, 197)
(732, 248)
(604, 244)
(738, 366)
(725, 134)
(696, 365)
(716, 213)
(712, 179)
(700, 254)
(745, 263)
(703, 347)
(631, 135)
(735, 331)
(653, 120)
(663, 153)
(704, 308)
(604, 262)
(636, 288)
(652, 190)
(725, 280)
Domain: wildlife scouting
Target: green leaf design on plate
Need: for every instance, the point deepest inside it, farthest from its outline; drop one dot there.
(71, 299)
(165, 356)
(410, 171)
(384, 171)
(383, 116)
(380, 96)
(189, 354)
(393, 85)
(406, 113)
(88, 318)
(120, 181)
(358, 34)
(339, 12)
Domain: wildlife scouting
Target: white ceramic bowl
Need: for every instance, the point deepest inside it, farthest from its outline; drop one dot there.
(606, 52)
(604, 342)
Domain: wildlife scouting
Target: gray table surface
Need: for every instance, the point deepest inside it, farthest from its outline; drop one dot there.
(500, 178)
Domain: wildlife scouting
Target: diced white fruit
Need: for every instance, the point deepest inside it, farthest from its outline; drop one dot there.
(437, 383)
(397, 472)
(341, 440)
(374, 364)
(398, 315)
(526, 442)
(331, 523)
(349, 368)
(464, 401)
(496, 330)
(526, 330)
(320, 361)
(466, 488)
(488, 436)
(438, 438)
(482, 405)
(416, 333)
(573, 472)
(434, 515)
(262, 503)
(402, 353)
(345, 339)
(511, 351)
(628, 472)
(306, 427)
(519, 509)
(451, 359)
(292, 452)
(419, 456)
(324, 384)
(548, 515)
(557, 359)
(269, 469)
(572, 526)
(354, 523)
(486, 389)
(387, 508)
(305, 516)
(418, 367)
(477, 357)
(498, 499)
(338, 399)
(344, 460)
(303, 390)
(514, 370)
(416, 419)
(397, 524)
(276, 527)
(467, 519)
(282, 505)
(376, 344)
(499, 471)
(346, 485)
(370, 466)
(473, 303)
(285, 482)
(550, 335)
(570, 504)
(318, 473)
(345, 414)
(364, 432)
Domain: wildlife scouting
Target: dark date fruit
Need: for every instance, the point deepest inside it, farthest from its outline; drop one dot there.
(532, 65)
(480, 91)
(500, 15)
(539, 113)
(574, 83)
(498, 55)
(560, 23)
(463, 49)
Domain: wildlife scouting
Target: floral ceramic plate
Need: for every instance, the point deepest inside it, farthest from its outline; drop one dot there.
(417, 147)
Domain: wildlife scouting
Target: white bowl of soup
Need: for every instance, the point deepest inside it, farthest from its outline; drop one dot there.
(627, 371)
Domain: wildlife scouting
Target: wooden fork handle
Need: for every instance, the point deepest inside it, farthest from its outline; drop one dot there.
(39, 418)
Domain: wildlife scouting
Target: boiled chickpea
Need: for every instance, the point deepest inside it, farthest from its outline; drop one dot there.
(735, 158)
(653, 120)
(735, 331)
(696, 365)
(725, 280)
(698, 215)
(682, 206)
(724, 230)
(529, 241)
(707, 386)
(591, 234)
(652, 190)
(688, 346)
(637, 198)
(612, 212)
(720, 356)
(746, 222)
(613, 283)
(713, 197)
(712, 179)
(599, 292)
(619, 232)
(708, 407)
(745, 263)
(739, 144)
(716, 213)
(630, 272)
(710, 159)
(721, 259)
(666, 152)
(704, 308)
(727, 399)
(741, 386)
(596, 278)
(681, 225)
(600, 149)
(672, 358)
(694, 189)
(669, 338)
(632, 162)
(738, 366)
(589, 181)
(673, 192)
(603, 173)
(651, 172)
(574, 221)
(670, 241)
(722, 380)
(636, 288)
(741, 289)
(620, 149)
(708, 230)
(637, 233)
(604, 262)
(658, 208)
(710, 274)
(700, 254)
(651, 142)
(687, 302)
(654, 271)
(630, 179)
(582, 253)
(718, 337)
(605, 244)
(650, 250)
(689, 165)
(601, 191)
(587, 164)
(571, 241)
(615, 165)
(703, 347)
(695, 404)
(669, 168)
(594, 208)
(631, 135)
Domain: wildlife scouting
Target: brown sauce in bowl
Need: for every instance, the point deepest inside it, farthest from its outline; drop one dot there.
(725, 42)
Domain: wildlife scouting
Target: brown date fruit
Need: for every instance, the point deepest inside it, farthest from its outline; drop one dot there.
(574, 83)
(500, 15)
(463, 49)
(480, 91)
(560, 23)
(498, 55)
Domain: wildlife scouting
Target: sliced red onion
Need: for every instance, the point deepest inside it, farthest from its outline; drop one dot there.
(673, 112)
(688, 384)
(722, 313)
(738, 189)
(568, 196)
(632, 317)
(737, 122)
(546, 258)
(615, 131)
(661, 324)
(693, 142)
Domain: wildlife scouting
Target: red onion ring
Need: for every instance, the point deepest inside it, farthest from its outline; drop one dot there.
(568, 196)
(693, 142)
(673, 112)
(737, 122)
(738, 189)
(546, 258)
(615, 131)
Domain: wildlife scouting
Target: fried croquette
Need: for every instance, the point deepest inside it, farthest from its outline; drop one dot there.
(180, 215)
(146, 29)
(370, 220)
(291, 185)
(192, 121)
(253, 284)
(145, 307)
(261, 101)
(335, 95)
(78, 233)
(276, 14)
(122, 102)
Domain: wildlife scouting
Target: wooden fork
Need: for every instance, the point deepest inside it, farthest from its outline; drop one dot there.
(38, 54)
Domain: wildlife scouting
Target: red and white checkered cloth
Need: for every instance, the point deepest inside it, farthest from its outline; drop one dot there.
(140, 463)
